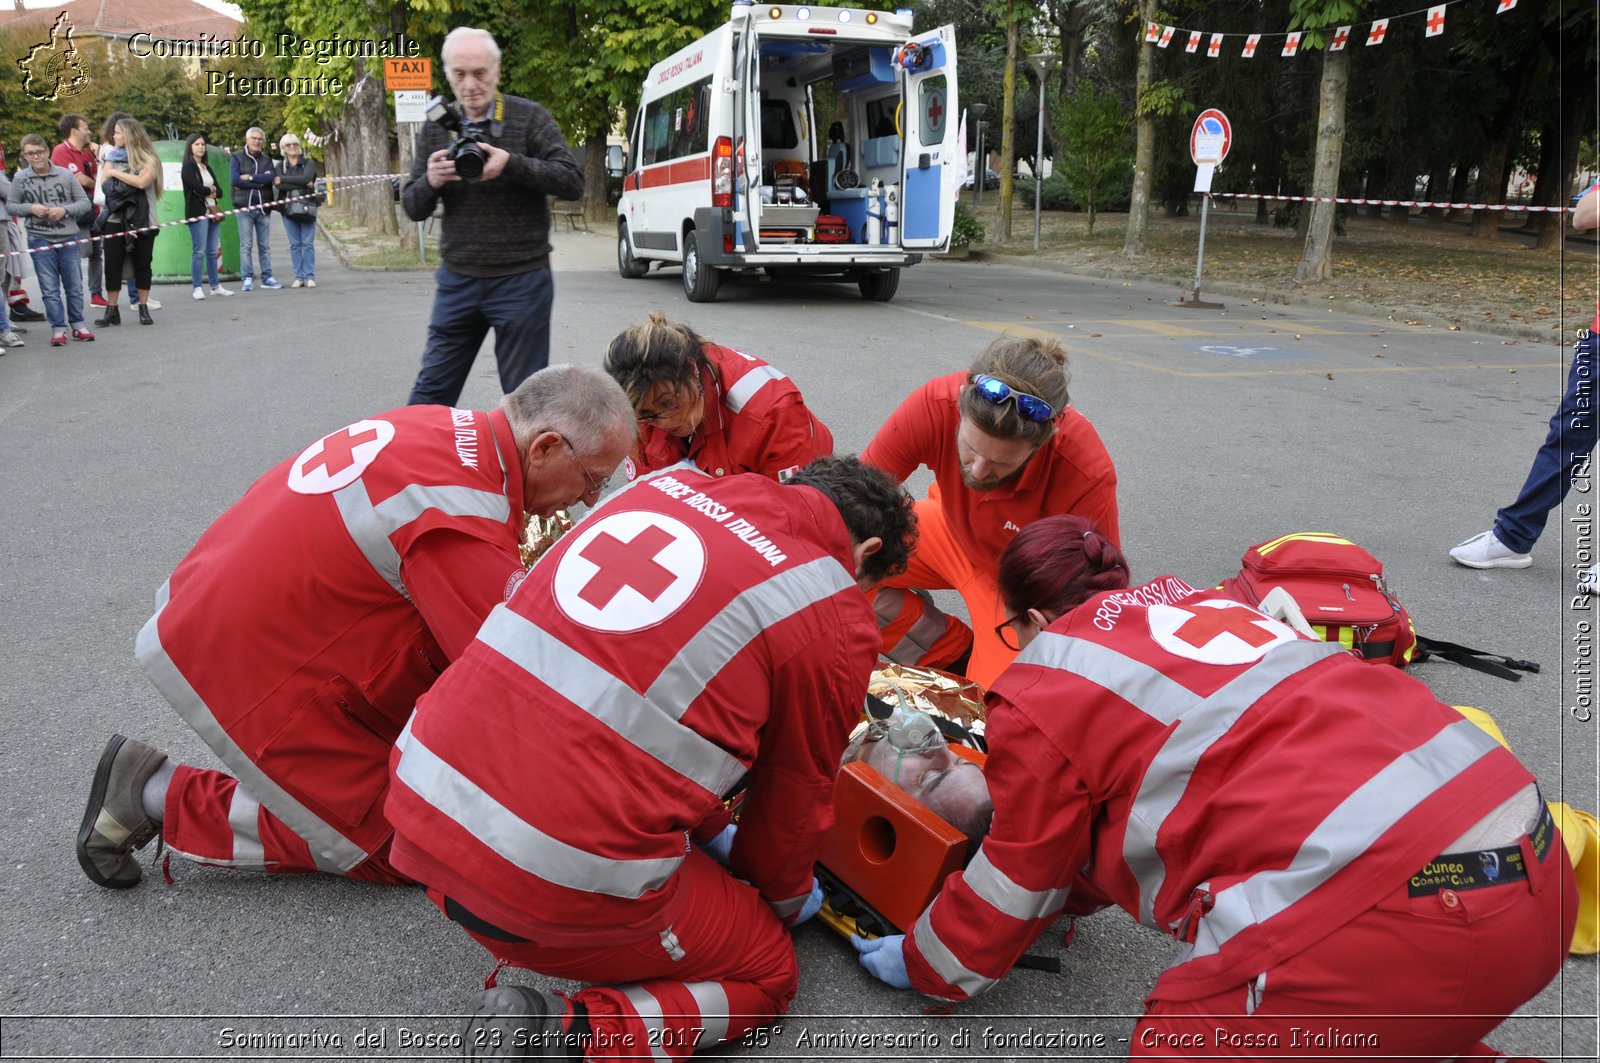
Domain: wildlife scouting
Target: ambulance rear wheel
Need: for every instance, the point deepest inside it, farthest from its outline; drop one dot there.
(879, 287)
(627, 265)
(699, 280)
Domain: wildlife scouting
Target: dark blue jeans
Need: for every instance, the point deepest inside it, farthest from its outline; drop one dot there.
(1565, 454)
(464, 309)
(56, 266)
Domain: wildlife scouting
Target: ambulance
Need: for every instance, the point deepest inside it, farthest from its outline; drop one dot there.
(803, 142)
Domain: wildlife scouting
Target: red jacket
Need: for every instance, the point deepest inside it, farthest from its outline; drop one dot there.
(298, 633)
(1214, 775)
(551, 780)
(1072, 473)
(755, 421)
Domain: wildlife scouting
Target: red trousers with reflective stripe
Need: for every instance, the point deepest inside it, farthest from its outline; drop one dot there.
(1412, 977)
(210, 819)
(734, 971)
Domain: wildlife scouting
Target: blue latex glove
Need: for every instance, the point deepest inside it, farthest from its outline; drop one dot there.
(885, 959)
(721, 846)
(812, 906)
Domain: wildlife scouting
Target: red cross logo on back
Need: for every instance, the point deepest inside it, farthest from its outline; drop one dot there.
(627, 564)
(627, 571)
(1207, 625)
(339, 458)
(1216, 631)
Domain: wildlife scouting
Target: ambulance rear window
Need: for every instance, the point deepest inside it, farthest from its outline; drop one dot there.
(777, 125)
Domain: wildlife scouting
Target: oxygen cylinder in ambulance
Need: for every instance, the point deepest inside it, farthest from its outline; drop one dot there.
(874, 232)
(891, 215)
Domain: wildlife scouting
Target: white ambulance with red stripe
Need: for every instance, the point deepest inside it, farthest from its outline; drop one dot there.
(805, 142)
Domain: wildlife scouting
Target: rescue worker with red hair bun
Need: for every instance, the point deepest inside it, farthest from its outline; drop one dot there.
(721, 409)
(1355, 868)
(690, 631)
(298, 633)
(1005, 449)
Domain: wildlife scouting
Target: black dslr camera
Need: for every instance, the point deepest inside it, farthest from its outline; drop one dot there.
(466, 150)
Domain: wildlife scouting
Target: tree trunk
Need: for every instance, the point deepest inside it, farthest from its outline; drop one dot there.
(1136, 243)
(1317, 262)
(594, 179)
(371, 203)
(1491, 189)
(1008, 120)
(1438, 192)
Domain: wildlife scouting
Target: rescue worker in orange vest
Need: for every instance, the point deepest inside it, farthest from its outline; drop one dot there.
(297, 635)
(689, 632)
(1356, 869)
(719, 408)
(1005, 449)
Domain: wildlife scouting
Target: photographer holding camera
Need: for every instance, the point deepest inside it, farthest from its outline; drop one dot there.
(493, 159)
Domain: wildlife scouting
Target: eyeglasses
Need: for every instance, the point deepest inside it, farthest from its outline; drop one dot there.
(993, 391)
(670, 408)
(1008, 634)
(34, 153)
(597, 486)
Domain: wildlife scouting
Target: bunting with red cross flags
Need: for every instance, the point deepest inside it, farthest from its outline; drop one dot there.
(1336, 38)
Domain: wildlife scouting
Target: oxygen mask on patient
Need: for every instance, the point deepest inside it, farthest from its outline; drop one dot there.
(908, 732)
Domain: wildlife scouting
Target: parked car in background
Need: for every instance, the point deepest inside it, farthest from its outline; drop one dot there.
(991, 180)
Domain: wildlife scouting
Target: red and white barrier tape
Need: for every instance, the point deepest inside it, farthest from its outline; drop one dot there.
(338, 183)
(1389, 202)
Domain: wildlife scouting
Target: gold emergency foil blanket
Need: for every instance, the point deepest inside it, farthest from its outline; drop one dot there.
(540, 534)
(933, 692)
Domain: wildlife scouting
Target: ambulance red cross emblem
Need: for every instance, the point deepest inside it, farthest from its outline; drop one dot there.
(1216, 632)
(629, 571)
(339, 458)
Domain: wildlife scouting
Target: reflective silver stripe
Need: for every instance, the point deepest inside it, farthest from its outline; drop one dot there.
(1201, 722)
(712, 1001)
(887, 603)
(332, 850)
(998, 889)
(456, 796)
(1353, 827)
(943, 961)
(789, 906)
(642, 721)
(741, 620)
(649, 1009)
(366, 530)
(1167, 777)
(747, 386)
(243, 813)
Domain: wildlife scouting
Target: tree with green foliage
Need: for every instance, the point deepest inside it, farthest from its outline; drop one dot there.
(1093, 147)
(1315, 16)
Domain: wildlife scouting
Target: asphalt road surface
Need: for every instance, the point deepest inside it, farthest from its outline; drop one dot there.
(1228, 427)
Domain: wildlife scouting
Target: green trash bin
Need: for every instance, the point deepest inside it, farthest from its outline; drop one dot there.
(173, 250)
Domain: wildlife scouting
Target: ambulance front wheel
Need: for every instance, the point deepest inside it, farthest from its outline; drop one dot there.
(879, 287)
(699, 280)
(627, 265)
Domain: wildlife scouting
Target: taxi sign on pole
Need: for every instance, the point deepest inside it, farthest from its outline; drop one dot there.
(1211, 137)
(408, 74)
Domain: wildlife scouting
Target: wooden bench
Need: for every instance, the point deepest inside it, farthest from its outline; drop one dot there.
(573, 211)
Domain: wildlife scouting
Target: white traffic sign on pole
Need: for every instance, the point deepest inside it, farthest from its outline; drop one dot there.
(410, 105)
(1211, 137)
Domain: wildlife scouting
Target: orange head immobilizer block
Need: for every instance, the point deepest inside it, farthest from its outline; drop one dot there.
(886, 847)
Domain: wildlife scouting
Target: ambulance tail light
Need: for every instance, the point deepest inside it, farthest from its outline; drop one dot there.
(722, 173)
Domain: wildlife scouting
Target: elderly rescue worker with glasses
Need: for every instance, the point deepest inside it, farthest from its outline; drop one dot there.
(1357, 870)
(1005, 449)
(720, 409)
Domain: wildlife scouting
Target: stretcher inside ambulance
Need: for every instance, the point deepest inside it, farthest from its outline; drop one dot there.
(799, 141)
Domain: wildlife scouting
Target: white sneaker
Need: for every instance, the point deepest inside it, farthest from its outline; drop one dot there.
(1485, 550)
(199, 293)
(10, 339)
(220, 290)
(311, 284)
(249, 285)
(154, 304)
(297, 283)
(1587, 580)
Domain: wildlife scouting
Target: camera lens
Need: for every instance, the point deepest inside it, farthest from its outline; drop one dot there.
(469, 159)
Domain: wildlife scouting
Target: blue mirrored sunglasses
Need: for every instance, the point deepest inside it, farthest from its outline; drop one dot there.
(1032, 407)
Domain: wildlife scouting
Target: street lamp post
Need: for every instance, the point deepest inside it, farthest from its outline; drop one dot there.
(982, 169)
(1042, 65)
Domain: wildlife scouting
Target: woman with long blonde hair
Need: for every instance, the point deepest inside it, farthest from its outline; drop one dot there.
(131, 182)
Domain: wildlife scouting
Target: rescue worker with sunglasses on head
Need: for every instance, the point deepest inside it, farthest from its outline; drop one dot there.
(721, 409)
(1005, 449)
(1356, 869)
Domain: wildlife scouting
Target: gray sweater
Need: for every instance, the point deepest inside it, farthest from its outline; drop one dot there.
(500, 227)
(57, 188)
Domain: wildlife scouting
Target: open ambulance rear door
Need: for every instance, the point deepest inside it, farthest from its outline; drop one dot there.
(927, 207)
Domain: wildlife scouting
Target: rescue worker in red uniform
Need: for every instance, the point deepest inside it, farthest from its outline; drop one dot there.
(628, 685)
(716, 407)
(1357, 869)
(299, 632)
(1005, 449)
